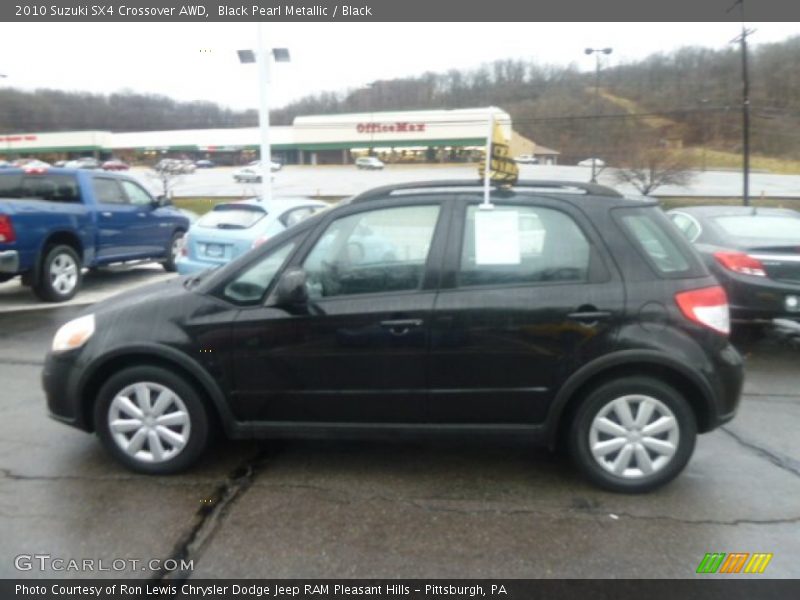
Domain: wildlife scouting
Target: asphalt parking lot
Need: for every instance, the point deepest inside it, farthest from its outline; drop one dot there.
(456, 508)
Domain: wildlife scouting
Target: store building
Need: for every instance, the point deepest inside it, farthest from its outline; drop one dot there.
(395, 137)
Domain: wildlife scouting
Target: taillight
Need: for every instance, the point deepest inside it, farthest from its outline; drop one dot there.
(259, 241)
(706, 306)
(739, 262)
(7, 234)
(36, 171)
(185, 245)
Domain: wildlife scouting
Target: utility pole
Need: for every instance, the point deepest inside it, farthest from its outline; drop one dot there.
(596, 141)
(742, 40)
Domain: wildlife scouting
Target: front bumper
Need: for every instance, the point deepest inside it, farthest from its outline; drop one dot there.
(9, 261)
(60, 383)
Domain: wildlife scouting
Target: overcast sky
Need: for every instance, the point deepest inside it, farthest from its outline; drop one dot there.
(189, 61)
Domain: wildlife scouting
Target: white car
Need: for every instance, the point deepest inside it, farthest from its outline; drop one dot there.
(588, 162)
(249, 174)
(369, 162)
(526, 159)
(273, 166)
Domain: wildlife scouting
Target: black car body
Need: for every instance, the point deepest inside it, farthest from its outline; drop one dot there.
(753, 252)
(439, 335)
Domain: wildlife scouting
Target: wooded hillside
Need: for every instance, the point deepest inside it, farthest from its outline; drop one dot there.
(691, 96)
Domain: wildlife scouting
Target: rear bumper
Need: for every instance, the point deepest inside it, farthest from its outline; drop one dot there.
(758, 299)
(9, 261)
(727, 381)
(189, 266)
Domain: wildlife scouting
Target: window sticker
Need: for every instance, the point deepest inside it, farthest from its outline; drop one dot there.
(497, 239)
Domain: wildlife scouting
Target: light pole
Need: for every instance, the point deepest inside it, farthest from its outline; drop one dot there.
(597, 52)
(263, 62)
(704, 139)
(742, 41)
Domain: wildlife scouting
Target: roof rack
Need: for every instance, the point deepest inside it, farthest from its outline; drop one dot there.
(547, 184)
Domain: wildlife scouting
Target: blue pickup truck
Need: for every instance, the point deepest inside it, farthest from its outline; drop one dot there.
(56, 222)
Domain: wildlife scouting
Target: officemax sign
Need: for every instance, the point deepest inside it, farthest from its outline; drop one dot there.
(398, 127)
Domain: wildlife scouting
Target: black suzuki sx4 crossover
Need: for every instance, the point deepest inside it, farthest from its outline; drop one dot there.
(561, 313)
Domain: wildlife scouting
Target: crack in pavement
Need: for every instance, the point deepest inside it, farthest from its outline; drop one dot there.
(14, 476)
(209, 516)
(426, 504)
(787, 463)
(17, 362)
(607, 514)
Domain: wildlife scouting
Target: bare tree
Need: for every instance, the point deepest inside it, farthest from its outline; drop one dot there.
(647, 167)
(165, 180)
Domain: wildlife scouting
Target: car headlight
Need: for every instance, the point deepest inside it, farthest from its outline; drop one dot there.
(74, 334)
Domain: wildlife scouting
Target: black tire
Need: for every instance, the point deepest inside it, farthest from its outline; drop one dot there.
(198, 416)
(48, 286)
(598, 400)
(173, 252)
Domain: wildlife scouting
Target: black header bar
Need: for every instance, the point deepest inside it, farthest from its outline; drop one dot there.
(400, 10)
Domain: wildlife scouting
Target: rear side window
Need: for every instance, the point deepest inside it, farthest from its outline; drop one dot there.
(522, 245)
(238, 217)
(652, 236)
(50, 187)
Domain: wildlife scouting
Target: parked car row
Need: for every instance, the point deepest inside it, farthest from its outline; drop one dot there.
(595, 326)
(175, 166)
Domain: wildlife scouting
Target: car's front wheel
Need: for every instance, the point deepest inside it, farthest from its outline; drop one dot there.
(151, 420)
(633, 435)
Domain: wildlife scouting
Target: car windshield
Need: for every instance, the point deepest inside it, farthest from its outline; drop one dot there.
(774, 227)
(232, 217)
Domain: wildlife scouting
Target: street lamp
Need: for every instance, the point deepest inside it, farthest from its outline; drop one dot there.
(597, 52)
(263, 62)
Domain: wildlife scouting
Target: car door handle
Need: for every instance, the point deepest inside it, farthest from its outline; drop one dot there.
(401, 326)
(143, 215)
(106, 214)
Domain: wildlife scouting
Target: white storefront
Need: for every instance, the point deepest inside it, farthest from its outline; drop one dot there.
(402, 136)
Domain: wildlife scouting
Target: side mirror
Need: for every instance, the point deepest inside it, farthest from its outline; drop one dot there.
(291, 289)
(163, 200)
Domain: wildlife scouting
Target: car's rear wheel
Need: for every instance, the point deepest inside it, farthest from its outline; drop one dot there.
(151, 420)
(174, 251)
(633, 435)
(60, 277)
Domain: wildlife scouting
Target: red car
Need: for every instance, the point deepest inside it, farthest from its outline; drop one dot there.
(115, 165)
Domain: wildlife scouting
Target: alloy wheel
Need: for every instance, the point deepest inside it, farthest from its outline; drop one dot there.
(63, 274)
(634, 436)
(149, 422)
